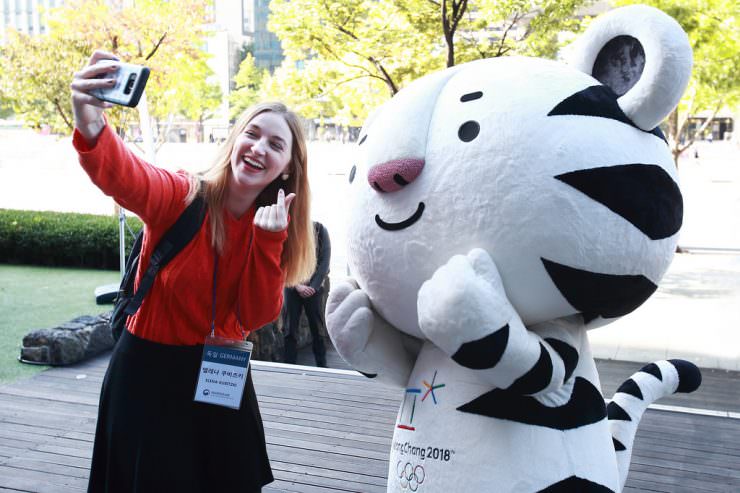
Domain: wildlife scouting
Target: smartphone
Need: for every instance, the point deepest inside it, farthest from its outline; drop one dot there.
(130, 82)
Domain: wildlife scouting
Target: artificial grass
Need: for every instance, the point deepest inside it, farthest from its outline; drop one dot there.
(39, 297)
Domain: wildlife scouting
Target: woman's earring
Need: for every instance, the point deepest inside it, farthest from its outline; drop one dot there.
(285, 176)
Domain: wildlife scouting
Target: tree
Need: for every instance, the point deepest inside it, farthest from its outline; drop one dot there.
(36, 88)
(370, 38)
(492, 28)
(369, 49)
(713, 29)
(35, 71)
(248, 82)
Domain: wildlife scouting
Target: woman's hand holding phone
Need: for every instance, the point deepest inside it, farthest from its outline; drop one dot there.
(87, 109)
(103, 81)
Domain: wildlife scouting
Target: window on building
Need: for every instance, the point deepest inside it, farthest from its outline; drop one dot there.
(6, 12)
(246, 28)
(29, 16)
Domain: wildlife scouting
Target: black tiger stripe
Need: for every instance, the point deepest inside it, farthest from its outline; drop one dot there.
(618, 446)
(599, 101)
(485, 352)
(537, 378)
(567, 353)
(585, 406)
(369, 375)
(594, 294)
(630, 387)
(643, 194)
(574, 484)
(689, 375)
(653, 370)
(615, 412)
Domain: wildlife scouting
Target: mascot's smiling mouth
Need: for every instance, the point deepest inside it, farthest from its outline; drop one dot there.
(403, 224)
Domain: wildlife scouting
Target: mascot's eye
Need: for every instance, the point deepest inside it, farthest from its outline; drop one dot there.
(471, 96)
(468, 131)
(352, 174)
(362, 140)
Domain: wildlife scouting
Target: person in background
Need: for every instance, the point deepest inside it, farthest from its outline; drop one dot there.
(307, 296)
(151, 435)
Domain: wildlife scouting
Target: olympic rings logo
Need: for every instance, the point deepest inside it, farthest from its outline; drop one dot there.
(410, 476)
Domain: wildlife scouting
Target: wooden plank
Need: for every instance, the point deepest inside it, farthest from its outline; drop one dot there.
(49, 396)
(675, 478)
(380, 437)
(49, 480)
(81, 472)
(325, 484)
(355, 476)
(300, 433)
(56, 459)
(15, 485)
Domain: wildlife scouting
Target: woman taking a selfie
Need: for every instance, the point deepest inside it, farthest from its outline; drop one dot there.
(152, 434)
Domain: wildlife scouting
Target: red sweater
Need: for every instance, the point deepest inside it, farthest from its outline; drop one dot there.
(177, 309)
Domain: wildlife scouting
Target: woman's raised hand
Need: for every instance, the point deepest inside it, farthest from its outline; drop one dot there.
(87, 109)
(274, 217)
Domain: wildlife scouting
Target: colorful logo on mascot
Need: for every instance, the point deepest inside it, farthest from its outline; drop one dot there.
(410, 476)
(408, 408)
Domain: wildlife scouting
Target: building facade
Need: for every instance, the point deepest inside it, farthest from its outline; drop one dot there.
(267, 52)
(25, 16)
(238, 26)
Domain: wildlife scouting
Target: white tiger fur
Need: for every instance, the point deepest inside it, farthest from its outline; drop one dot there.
(502, 208)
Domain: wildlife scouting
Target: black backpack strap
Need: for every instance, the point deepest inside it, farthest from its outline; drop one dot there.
(127, 284)
(173, 241)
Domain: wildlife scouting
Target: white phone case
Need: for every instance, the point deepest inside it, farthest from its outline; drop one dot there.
(130, 82)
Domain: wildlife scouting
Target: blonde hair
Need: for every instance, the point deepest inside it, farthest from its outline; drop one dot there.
(298, 260)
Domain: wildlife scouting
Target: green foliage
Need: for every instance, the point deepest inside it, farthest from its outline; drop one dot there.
(345, 57)
(35, 76)
(362, 51)
(6, 107)
(713, 29)
(61, 239)
(35, 71)
(248, 82)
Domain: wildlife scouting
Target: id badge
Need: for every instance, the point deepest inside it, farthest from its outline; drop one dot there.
(223, 371)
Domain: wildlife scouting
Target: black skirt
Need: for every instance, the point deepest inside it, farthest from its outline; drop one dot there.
(152, 437)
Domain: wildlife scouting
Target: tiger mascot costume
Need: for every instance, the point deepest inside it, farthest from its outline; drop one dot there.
(502, 209)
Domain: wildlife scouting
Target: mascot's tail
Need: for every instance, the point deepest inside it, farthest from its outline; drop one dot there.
(632, 398)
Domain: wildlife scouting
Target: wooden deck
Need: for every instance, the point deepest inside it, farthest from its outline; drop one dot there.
(330, 431)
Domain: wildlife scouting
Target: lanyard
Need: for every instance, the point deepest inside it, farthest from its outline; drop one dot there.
(213, 297)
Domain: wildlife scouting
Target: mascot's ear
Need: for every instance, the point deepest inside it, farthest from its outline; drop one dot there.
(643, 55)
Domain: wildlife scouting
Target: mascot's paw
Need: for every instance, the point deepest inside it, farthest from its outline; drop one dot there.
(348, 318)
(463, 301)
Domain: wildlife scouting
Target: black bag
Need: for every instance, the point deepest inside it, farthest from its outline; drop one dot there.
(174, 240)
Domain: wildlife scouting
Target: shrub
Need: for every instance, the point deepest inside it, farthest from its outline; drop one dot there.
(61, 239)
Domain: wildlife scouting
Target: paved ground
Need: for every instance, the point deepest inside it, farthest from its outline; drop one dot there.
(693, 315)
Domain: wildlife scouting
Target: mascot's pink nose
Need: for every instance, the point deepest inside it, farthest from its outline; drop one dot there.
(394, 175)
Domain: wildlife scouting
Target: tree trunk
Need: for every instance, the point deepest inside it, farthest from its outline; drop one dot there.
(449, 26)
(450, 50)
(674, 135)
